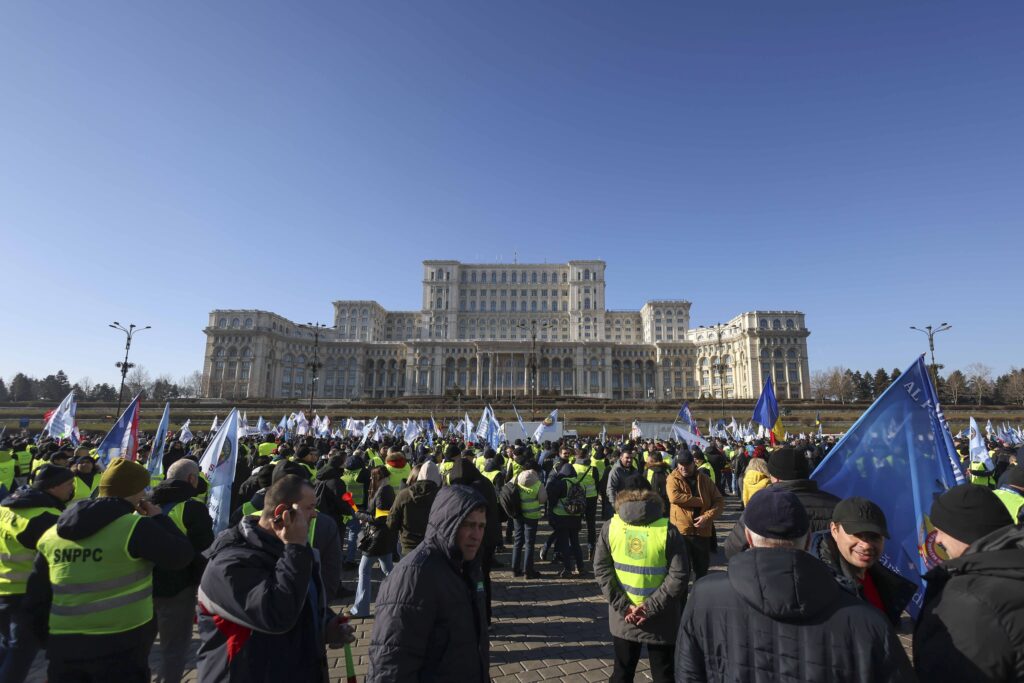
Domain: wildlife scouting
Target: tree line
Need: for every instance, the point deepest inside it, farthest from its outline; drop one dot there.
(974, 384)
(55, 387)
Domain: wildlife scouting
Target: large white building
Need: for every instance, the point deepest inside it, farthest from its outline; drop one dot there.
(499, 330)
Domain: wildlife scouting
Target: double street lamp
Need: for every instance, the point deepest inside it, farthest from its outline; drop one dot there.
(718, 366)
(931, 332)
(533, 327)
(315, 365)
(124, 366)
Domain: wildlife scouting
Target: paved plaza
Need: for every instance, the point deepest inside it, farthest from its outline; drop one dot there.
(546, 629)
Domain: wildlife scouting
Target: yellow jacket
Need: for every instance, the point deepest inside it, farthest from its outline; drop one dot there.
(753, 482)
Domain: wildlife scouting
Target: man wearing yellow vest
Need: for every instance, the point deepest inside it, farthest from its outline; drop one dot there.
(357, 480)
(532, 498)
(398, 469)
(86, 479)
(174, 590)
(643, 570)
(268, 446)
(587, 475)
(91, 590)
(1011, 492)
(8, 467)
(24, 516)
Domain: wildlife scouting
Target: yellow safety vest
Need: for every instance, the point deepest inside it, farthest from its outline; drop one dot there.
(1012, 499)
(398, 475)
(202, 497)
(708, 470)
(15, 559)
(7, 473)
(491, 475)
(588, 483)
(528, 501)
(98, 588)
(479, 462)
(82, 490)
(355, 487)
(24, 459)
(559, 508)
(266, 448)
(638, 553)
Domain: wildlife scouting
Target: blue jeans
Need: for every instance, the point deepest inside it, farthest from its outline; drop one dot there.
(351, 538)
(364, 590)
(18, 645)
(522, 551)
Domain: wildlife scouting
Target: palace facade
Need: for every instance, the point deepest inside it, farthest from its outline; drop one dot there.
(504, 330)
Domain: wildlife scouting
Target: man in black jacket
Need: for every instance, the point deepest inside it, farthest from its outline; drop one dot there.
(174, 591)
(788, 470)
(852, 547)
(431, 621)
(465, 473)
(971, 627)
(778, 614)
(262, 605)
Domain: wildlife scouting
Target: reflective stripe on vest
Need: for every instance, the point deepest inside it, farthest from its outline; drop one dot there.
(528, 500)
(15, 559)
(589, 485)
(355, 487)
(24, 459)
(98, 588)
(638, 553)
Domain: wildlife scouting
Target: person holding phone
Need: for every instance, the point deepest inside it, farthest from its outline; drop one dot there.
(262, 605)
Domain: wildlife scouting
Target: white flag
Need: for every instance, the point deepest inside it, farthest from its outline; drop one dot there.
(547, 425)
(61, 423)
(185, 435)
(979, 451)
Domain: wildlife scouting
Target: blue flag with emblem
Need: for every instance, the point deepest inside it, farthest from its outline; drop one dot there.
(218, 466)
(900, 455)
(156, 453)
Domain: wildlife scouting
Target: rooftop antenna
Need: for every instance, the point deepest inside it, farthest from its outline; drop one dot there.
(515, 257)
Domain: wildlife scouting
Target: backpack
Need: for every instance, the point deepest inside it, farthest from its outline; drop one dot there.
(508, 499)
(575, 500)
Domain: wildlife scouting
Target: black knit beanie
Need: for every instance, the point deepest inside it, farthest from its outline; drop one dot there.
(968, 511)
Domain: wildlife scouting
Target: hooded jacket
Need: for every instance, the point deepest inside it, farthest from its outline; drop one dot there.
(198, 530)
(665, 606)
(465, 473)
(894, 591)
(431, 620)
(28, 497)
(779, 615)
(262, 610)
(819, 505)
(155, 539)
(971, 627)
(329, 491)
(407, 519)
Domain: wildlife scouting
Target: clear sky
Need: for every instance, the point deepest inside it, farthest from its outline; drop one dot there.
(861, 162)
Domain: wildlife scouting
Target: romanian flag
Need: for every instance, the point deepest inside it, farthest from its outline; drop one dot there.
(766, 412)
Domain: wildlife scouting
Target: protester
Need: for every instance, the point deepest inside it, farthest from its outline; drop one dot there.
(376, 543)
(431, 615)
(789, 471)
(971, 627)
(1011, 492)
(532, 498)
(587, 475)
(174, 591)
(852, 547)
(695, 502)
(565, 520)
(464, 473)
(755, 478)
(262, 607)
(643, 571)
(24, 516)
(778, 614)
(91, 589)
(619, 474)
(408, 517)
(657, 473)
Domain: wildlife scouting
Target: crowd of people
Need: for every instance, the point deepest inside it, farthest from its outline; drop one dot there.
(97, 563)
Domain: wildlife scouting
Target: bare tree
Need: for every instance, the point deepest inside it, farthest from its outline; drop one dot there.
(956, 385)
(839, 383)
(979, 379)
(1014, 387)
(191, 385)
(819, 385)
(86, 384)
(138, 382)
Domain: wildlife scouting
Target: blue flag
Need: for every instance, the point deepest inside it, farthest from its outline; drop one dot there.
(685, 414)
(900, 455)
(156, 454)
(766, 412)
(218, 465)
(122, 441)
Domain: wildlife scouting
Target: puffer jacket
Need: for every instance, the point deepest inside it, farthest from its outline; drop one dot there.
(777, 614)
(665, 606)
(819, 505)
(971, 627)
(894, 591)
(431, 619)
(754, 481)
(684, 506)
(407, 518)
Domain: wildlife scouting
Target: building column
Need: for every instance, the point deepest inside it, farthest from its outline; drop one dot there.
(491, 379)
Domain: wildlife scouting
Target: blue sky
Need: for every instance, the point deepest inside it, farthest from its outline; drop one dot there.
(860, 162)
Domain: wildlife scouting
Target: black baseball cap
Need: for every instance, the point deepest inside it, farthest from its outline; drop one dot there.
(858, 515)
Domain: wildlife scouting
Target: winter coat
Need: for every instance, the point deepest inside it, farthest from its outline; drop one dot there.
(819, 505)
(686, 506)
(431, 617)
(665, 606)
(617, 479)
(155, 539)
(466, 474)
(894, 591)
(407, 519)
(778, 614)
(753, 481)
(198, 530)
(971, 627)
(262, 610)
(329, 491)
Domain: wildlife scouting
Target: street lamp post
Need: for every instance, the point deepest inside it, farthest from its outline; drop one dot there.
(533, 360)
(315, 366)
(930, 332)
(718, 366)
(124, 366)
